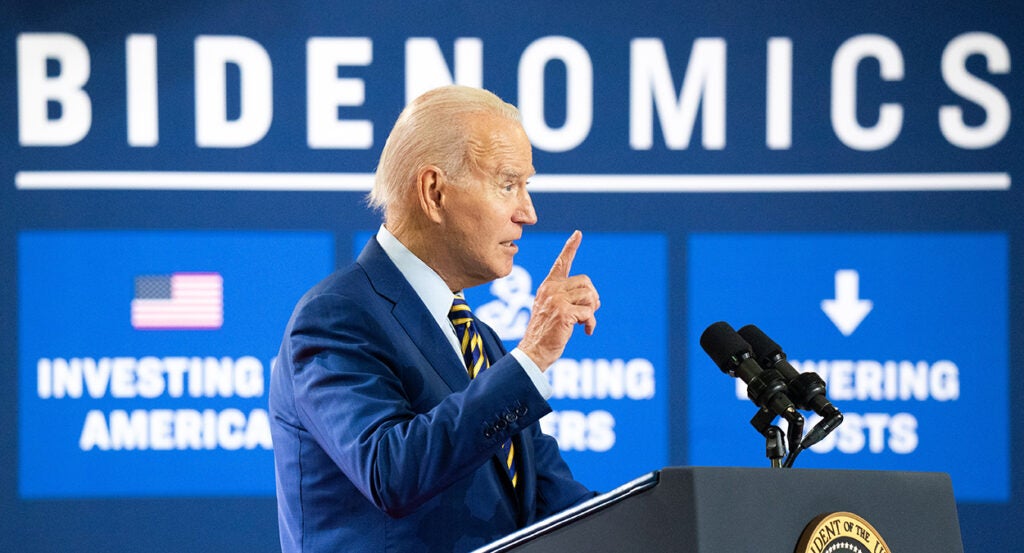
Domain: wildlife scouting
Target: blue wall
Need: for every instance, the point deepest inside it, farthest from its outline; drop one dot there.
(747, 163)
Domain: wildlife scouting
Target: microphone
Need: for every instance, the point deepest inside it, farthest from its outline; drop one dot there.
(766, 388)
(807, 390)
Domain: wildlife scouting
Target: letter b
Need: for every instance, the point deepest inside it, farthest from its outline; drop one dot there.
(36, 89)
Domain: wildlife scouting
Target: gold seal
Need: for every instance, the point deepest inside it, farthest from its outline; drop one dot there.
(840, 532)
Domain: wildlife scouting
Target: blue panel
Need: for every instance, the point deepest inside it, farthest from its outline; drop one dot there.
(928, 354)
(107, 409)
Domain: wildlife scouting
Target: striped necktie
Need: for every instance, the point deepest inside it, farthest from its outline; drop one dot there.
(473, 355)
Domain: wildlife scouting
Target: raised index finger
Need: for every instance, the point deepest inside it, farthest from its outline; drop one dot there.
(563, 263)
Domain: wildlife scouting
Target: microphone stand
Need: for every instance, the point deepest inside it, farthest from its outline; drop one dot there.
(775, 438)
(828, 423)
(775, 446)
(768, 391)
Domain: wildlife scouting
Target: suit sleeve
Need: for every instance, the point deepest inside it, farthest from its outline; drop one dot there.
(360, 393)
(557, 489)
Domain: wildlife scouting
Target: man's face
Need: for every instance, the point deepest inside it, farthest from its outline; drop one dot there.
(489, 206)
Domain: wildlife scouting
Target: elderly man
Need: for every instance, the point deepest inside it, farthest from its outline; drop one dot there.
(400, 423)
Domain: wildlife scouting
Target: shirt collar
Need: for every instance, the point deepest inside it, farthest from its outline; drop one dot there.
(427, 284)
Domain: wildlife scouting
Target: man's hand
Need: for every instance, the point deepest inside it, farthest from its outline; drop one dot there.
(561, 303)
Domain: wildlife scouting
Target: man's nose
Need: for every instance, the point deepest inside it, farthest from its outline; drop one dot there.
(526, 214)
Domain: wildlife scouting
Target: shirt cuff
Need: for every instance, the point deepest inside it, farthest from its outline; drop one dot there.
(533, 371)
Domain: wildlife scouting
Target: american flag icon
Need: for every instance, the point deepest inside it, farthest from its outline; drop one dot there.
(179, 301)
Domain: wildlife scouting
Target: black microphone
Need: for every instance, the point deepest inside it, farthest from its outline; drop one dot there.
(766, 388)
(807, 390)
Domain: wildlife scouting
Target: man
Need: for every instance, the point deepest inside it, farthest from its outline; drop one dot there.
(383, 441)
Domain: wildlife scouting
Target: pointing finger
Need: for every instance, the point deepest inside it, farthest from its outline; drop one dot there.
(563, 263)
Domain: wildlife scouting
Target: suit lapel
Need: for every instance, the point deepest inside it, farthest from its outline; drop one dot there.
(412, 315)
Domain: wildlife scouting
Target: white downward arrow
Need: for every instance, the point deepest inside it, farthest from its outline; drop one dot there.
(847, 310)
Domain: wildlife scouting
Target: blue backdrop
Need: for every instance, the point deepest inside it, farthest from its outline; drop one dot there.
(841, 176)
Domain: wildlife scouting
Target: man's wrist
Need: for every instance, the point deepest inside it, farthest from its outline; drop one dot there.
(533, 371)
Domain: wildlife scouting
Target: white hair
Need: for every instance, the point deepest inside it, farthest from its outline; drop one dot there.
(432, 130)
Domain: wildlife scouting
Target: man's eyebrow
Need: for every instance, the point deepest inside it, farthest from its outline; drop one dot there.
(515, 174)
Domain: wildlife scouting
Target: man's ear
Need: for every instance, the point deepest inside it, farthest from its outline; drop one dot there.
(430, 189)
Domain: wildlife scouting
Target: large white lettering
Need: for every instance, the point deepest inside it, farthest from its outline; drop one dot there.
(426, 69)
(779, 94)
(578, 431)
(326, 92)
(178, 429)
(991, 100)
(141, 78)
(870, 380)
(602, 379)
(212, 56)
(844, 92)
(651, 87)
(36, 90)
(874, 432)
(54, 107)
(149, 377)
(579, 101)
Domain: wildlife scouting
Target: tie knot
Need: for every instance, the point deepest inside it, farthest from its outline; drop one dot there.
(460, 314)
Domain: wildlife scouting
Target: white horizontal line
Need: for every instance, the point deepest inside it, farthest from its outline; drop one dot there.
(816, 182)
(362, 182)
(191, 180)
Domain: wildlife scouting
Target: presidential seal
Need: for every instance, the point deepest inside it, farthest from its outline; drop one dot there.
(840, 532)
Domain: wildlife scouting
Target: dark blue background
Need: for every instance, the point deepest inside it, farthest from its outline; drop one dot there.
(921, 29)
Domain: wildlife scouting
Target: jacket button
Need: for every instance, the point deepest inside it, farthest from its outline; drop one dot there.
(521, 410)
(510, 417)
(488, 432)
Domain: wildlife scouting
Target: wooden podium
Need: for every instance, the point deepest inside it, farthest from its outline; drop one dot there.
(735, 510)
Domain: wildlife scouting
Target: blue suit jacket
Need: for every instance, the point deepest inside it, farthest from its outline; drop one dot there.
(381, 443)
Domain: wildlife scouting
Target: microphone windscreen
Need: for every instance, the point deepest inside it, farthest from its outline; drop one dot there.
(724, 346)
(763, 346)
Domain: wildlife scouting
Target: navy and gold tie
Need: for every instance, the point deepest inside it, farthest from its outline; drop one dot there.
(473, 354)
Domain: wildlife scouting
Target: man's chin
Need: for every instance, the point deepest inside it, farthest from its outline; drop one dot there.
(505, 270)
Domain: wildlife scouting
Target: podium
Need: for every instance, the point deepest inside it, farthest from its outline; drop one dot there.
(736, 510)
